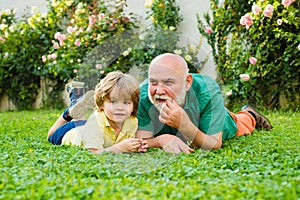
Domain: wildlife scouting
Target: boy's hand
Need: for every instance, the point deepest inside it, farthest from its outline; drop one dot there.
(132, 145)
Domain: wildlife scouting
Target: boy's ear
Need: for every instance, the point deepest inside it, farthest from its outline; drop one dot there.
(101, 108)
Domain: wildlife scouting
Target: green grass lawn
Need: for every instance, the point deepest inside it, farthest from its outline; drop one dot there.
(265, 165)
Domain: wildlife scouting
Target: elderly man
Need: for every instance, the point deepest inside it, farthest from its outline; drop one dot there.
(180, 112)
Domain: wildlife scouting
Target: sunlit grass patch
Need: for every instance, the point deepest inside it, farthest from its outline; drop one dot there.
(264, 165)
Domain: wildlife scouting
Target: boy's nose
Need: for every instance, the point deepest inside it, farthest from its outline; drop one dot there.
(119, 106)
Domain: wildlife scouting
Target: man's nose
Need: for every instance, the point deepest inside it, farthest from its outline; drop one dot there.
(160, 89)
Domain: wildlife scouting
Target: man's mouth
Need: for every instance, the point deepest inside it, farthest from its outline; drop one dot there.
(161, 100)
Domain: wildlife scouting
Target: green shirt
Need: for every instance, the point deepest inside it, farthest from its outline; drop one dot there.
(204, 105)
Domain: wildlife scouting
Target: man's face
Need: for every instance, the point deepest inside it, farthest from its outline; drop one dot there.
(165, 84)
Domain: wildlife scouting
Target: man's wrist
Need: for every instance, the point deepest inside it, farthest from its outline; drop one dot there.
(190, 133)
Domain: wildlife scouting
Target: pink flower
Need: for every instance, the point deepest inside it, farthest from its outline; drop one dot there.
(44, 58)
(229, 93)
(287, 2)
(269, 9)
(57, 35)
(209, 30)
(71, 29)
(77, 42)
(92, 20)
(55, 45)
(98, 66)
(60, 37)
(246, 20)
(279, 22)
(245, 77)
(252, 60)
(61, 43)
(256, 9)
(299, 47)
(53, 56)
(2, 40)
(80, 30)
(101, 15)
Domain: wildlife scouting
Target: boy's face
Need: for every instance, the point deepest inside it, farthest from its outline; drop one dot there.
(117, 110)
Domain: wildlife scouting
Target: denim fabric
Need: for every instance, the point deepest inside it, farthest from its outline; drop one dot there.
(57, 136)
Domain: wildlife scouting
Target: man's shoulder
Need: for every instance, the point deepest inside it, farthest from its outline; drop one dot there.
(200, 81)
(144, 89)
(202, 77)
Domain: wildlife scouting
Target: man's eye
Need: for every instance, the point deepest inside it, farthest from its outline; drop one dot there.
(168, 82)
(153, 83)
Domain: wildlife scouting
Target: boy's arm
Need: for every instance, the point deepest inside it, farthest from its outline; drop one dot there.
(127, 145)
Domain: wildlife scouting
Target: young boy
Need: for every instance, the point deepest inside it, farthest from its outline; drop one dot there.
(112, 126)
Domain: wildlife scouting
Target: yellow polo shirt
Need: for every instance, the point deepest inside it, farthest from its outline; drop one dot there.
(98, 134)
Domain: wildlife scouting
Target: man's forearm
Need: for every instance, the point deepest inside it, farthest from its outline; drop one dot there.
(207, 142)
(198, 139)
(153, 143)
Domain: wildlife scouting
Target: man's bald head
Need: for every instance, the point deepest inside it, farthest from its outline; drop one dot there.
(172, 61)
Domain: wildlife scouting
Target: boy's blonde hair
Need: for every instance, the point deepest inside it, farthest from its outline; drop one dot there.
(119, 84)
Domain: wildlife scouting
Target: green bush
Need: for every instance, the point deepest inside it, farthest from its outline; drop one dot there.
(29, 55)
(83, 41)
(21, 45)
(262, 46)
(160, 37)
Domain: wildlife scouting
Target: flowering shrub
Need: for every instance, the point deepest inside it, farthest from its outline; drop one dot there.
(83, 40)
(87, 25)
(160, 37)
(21, 44)
(259, 39)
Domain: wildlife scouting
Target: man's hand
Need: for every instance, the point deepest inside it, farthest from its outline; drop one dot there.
(143, 146)
(173, 144)
(173, 115)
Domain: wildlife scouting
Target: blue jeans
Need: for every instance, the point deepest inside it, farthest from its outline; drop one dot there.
(57, 136)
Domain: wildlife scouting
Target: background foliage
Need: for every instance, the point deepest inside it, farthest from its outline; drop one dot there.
(83, 41)
(272, 39)
(22, 43)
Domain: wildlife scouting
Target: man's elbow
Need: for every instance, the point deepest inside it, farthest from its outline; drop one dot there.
(218, 145)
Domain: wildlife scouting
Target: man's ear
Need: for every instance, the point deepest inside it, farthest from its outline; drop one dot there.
(189, 81)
